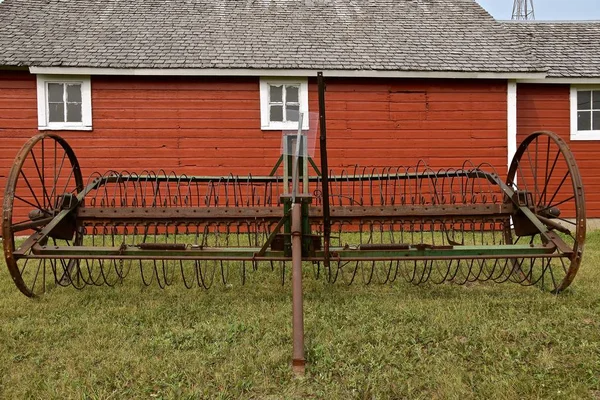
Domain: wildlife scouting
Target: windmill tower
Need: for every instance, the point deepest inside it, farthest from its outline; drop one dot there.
(523, 10)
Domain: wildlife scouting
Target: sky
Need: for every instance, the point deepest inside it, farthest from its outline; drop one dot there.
(560, 10)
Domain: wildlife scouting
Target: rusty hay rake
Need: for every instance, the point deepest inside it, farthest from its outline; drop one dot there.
(366, 225)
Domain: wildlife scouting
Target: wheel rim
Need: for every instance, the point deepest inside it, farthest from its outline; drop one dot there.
(544, 167)
(45, 169)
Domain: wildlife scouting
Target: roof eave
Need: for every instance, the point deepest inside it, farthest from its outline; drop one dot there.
(563, 80)
(286, 72)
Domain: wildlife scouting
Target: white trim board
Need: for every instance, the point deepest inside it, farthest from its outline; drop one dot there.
(511, 116)
(575, 133)
(86, 103)
(284, 73)
(265, 122)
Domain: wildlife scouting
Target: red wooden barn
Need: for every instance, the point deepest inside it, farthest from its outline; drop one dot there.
(206, 87)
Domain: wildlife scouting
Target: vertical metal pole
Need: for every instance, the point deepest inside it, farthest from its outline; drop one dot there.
(296, 160)
(298, 361)
(324, 170)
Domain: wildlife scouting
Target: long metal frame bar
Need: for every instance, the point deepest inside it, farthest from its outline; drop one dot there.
(251, 253)
(221, 213)
(155, 214)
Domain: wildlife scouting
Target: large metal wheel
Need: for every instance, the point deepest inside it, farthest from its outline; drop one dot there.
(44, 180)
(545, 176)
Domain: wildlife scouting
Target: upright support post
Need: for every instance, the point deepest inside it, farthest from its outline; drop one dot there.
(324, 171)
(298, 361)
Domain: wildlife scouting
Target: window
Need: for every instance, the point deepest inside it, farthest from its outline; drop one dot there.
(64, 103)
(585, 112)
(281, 101)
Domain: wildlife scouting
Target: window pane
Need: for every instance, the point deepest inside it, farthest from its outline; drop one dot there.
(292, 113)
(584, 120)
(276, 94)
(596, 120)
(55, 92)
(276, 113)
(596, 99)
(74, 93)
(74, 112)
(291, 94)
(584, 100)
(56, 112)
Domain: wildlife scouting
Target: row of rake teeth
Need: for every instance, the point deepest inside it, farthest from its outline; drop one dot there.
(205, 274)
(457, 271)
(363, 187)
(358, 186)
(254, 233)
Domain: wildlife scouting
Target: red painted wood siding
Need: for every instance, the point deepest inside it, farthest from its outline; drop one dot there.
(18, 116)
(212, 126)
(209, 126)
(398, 122)
(547, 107)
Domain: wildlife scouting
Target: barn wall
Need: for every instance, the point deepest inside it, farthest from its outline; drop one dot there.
(398, 122)
(547, 107)
(18, 116)
(210, 126)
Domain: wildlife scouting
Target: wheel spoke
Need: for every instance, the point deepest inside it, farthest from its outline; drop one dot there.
(37, 272)
(22, 269)
(522, 177)
(39, 206)
(543, 195)
(559, 186)
(57, 174)
(32, 205)
(549, 266)
(533, 171)
(68, 180)
(22, 226)
(557, 204)
(565, 220)
(548, 177)
(41, 176)
(562, 261)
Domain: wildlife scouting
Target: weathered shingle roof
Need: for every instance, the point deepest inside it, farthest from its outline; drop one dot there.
(568, 49)
(388, 35)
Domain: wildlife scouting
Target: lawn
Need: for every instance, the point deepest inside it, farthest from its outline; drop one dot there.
(392, 341)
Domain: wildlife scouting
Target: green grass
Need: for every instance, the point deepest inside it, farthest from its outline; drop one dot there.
(394, 341)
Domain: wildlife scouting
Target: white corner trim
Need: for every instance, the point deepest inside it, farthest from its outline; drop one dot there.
(265, 122)
(284, 73)
(86, 103)
(575, 133)
(511, 116)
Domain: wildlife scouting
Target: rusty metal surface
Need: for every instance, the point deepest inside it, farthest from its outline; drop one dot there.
(545, 167)
(45, 169)
(422, 224)
(123, 214)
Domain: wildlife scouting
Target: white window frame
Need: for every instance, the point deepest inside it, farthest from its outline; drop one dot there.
(265, 120)
(575, 133)
(86, 103)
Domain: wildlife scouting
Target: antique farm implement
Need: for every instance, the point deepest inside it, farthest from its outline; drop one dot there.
(366, 225)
